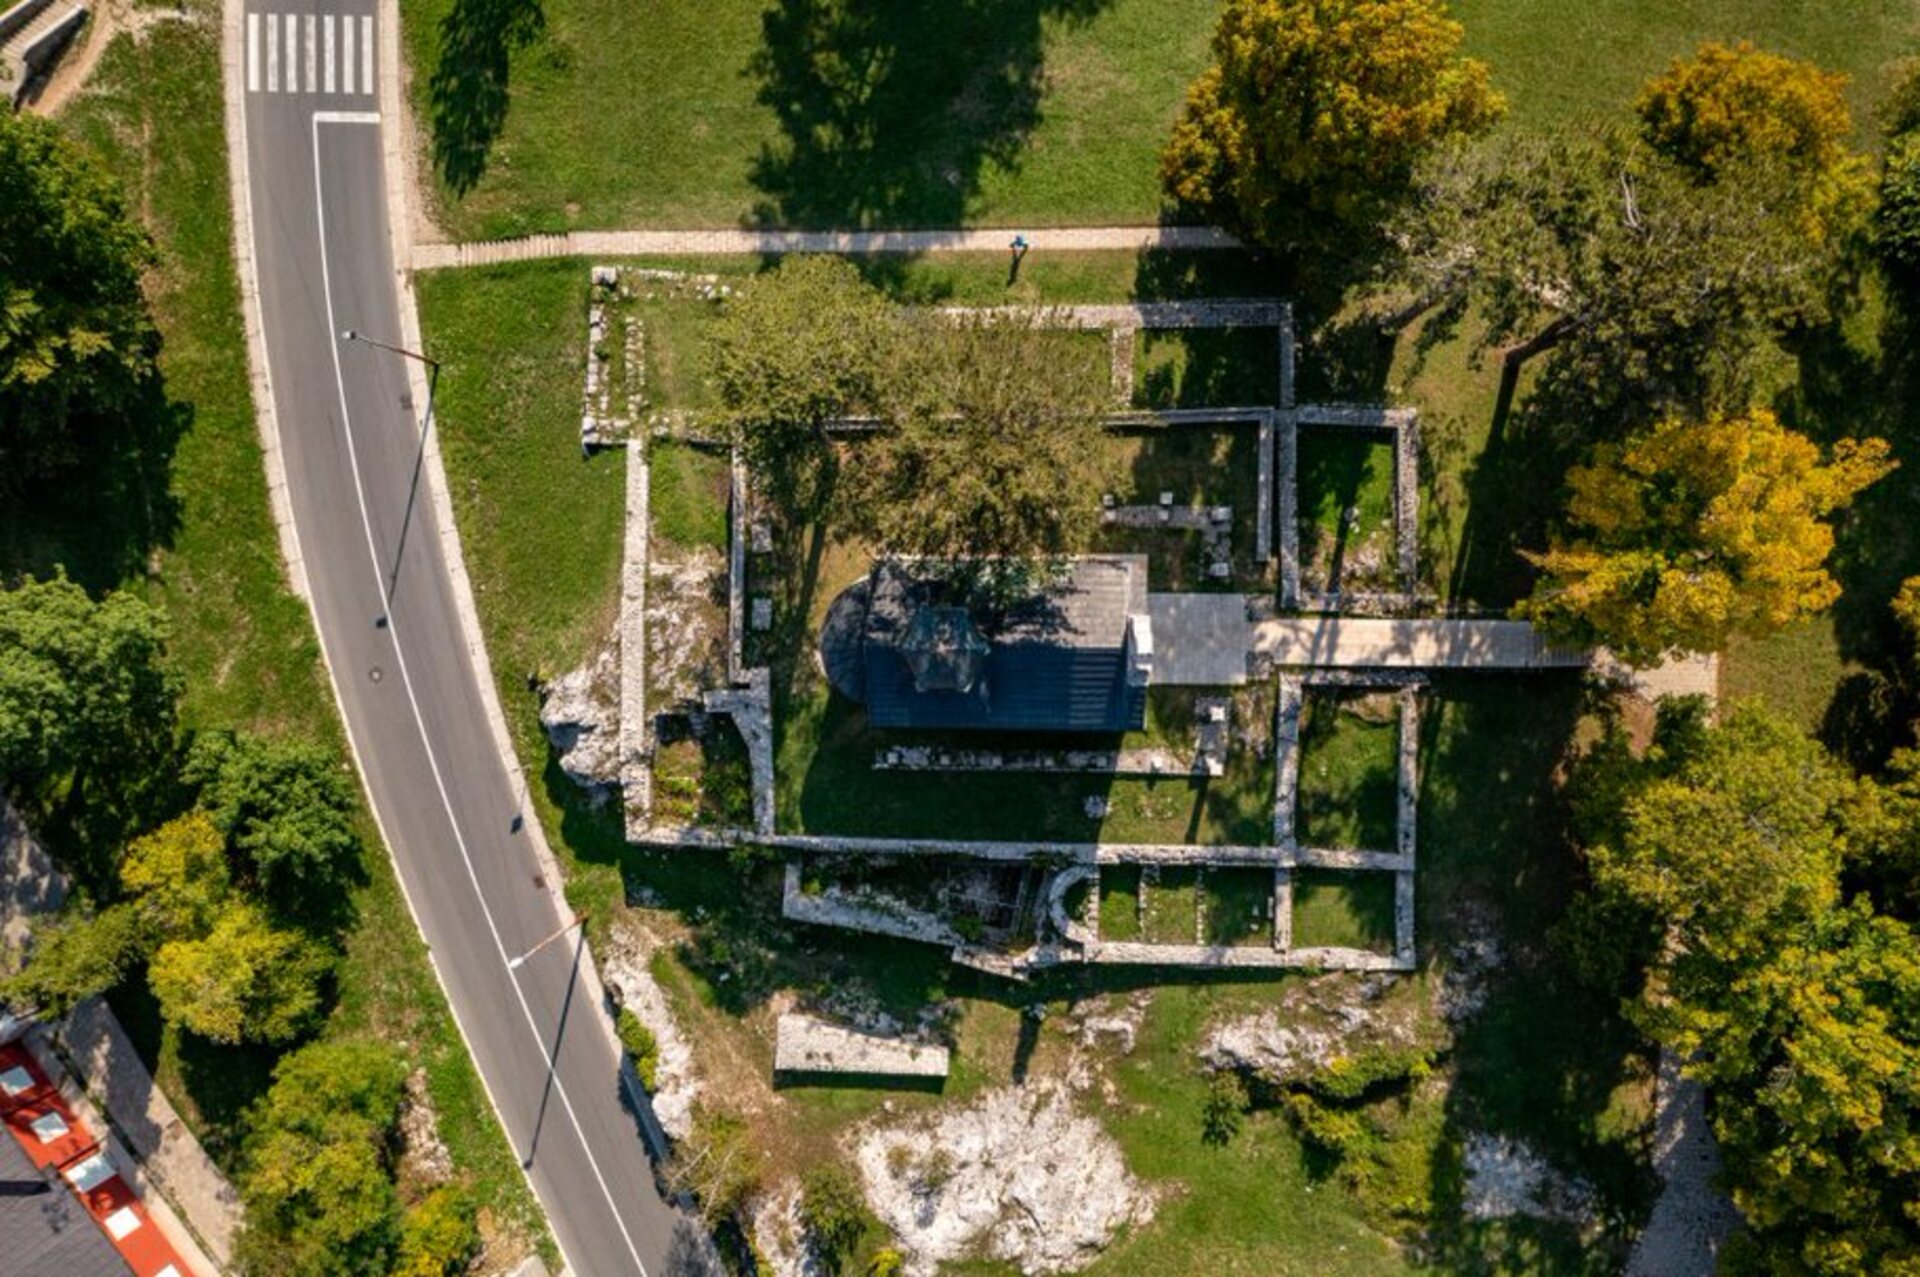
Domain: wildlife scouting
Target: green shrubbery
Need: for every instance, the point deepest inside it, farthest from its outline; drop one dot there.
(640, 1044)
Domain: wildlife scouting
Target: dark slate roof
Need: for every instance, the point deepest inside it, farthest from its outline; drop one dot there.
(43, 1226)
(1055, 663)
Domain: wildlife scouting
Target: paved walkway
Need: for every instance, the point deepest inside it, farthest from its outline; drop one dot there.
(1063, 239)
(1207, 640)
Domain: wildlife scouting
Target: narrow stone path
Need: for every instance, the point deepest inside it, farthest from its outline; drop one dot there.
(699, 243)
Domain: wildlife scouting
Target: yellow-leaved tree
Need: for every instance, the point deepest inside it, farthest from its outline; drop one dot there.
(1689, 533)
(1308, 125)
(1734, 107)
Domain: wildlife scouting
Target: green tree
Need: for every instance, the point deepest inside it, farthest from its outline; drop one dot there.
(1654, 293)
(1308, 126)
(794, 349)
(75, 337)
(76, 956)
(178, 876)
(993, 450)
(287, 810)
(86, 692)
(1897, 219)
(317, 1186)
(438, 1237)
(1690, 533)
(1799, 1008)
(244, 981)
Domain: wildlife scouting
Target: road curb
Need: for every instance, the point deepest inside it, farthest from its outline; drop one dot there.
(394, 135)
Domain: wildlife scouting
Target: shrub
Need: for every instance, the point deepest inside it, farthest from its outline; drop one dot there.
(716, 1165)
(833, 1212)
(640, 1043)
(438, 1237)
(1226, 1104)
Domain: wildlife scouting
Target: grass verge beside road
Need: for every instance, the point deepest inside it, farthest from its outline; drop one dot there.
(243, 642)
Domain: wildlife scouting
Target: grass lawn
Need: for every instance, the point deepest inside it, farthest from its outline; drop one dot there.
(1797, 671)
(242, 640)
(908, 114)
(1557, 64)
(1239, 906)
(825, 783)
(687, 495)
(924, 114)
(1349, 794)
(1345, 510)
(1206, 367)
(1120, 902)
(1172, 899)
(1342, 909)
(1200, 466)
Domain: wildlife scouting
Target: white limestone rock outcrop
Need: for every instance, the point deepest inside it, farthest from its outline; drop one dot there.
(580, 711)
(1018, 1175)
(624, 963)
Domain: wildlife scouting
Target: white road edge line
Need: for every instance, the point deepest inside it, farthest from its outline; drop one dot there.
(287, 527)
(406, 680)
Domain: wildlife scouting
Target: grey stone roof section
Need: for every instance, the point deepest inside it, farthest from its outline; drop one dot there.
(43, 1227)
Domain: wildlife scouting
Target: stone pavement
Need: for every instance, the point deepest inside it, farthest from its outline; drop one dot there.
(1071, 239)
(1208, 640)
(1428, 643)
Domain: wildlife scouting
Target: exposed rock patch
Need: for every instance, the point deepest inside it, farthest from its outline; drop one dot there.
(425, 1162)
(624, 963)
(1507, 1177)
(780, 1238)
(1473, 961)
(686, 626)
(581, 714)
(1316, 1022)
(1017, 1175)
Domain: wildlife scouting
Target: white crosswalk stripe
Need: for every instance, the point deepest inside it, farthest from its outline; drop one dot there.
(326, 54)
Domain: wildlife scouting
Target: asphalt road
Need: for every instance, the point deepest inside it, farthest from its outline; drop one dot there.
(384, 603)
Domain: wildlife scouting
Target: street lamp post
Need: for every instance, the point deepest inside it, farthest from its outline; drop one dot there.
(348, 334)
(578, 919)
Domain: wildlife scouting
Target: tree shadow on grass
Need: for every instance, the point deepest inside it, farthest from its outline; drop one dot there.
(891, 109)
(1544, 1059)
(101, 518)
(469, 92)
